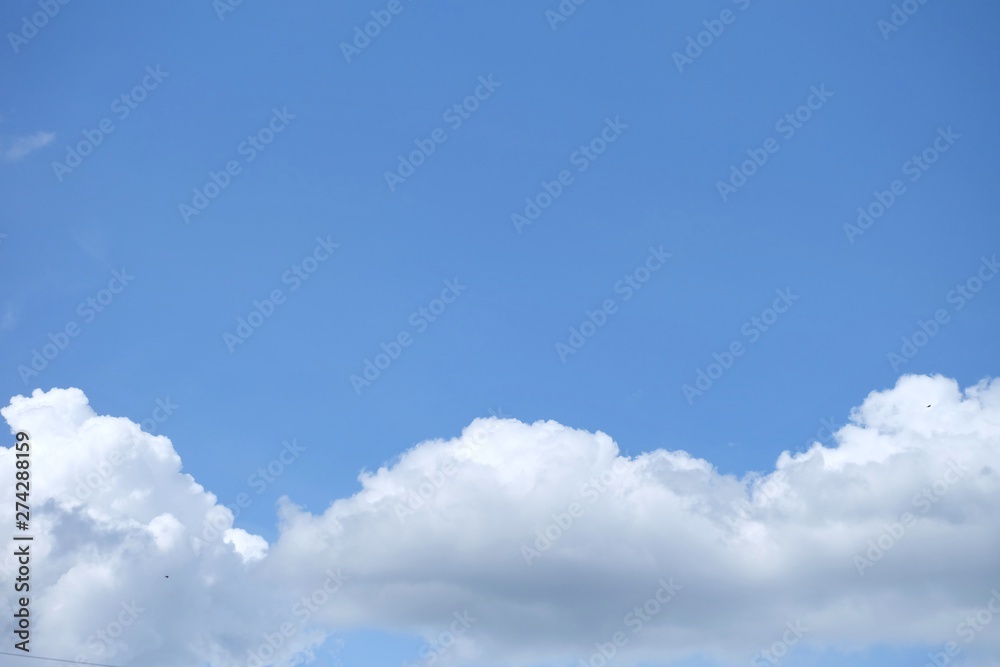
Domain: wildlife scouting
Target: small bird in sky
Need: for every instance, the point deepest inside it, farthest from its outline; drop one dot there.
(928, 406)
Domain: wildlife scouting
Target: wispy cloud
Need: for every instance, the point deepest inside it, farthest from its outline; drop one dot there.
(8, 317)
(21, 146)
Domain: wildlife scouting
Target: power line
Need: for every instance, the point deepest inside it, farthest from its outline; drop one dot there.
(74, 662)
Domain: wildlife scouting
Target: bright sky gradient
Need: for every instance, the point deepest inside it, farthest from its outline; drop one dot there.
(211, 79)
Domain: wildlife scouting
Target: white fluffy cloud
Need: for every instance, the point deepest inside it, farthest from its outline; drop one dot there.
(891, 536)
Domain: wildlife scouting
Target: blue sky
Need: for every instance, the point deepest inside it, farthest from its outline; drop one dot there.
(493, 349)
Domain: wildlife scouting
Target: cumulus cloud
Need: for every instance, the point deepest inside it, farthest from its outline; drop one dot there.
(134, 562)
(19, 147)
(524, 543)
